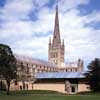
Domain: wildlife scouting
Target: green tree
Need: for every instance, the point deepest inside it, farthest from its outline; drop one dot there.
(7, 64)
(93, 75)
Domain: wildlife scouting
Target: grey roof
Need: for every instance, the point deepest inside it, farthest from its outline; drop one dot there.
(60, 75)
(34, 61)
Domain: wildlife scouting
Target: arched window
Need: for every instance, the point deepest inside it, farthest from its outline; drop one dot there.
(75, 70)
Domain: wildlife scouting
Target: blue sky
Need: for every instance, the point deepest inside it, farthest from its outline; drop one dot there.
(26, 25)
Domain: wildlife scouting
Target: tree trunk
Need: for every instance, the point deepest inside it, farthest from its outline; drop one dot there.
(1, 85)
(8, 88)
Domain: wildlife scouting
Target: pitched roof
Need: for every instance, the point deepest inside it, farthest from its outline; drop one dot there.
(34, 61)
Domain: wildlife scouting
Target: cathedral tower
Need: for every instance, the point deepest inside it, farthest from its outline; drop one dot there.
(56, 47)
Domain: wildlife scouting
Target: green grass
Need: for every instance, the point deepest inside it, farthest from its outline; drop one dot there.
(32, 92)
(50, 97)
(46, 95)
(89, 93)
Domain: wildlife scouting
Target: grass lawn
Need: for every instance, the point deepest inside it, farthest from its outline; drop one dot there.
(47, 95)
(50, 97)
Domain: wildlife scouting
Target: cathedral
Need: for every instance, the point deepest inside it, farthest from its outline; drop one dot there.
(56, 50)
(54, 74)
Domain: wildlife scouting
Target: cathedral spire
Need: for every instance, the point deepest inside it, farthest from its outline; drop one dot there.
(56, 48)
(56, 35)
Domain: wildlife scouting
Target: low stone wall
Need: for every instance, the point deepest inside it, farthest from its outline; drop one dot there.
(83, 87)
(50, 86)
(59, 86)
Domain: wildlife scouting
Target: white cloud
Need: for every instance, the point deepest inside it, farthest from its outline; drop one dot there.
(16, 9)
(31, 37)
(36, 47)
(70, 4)
(83, 41)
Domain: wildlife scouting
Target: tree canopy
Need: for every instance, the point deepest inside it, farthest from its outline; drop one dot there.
(93, 75)
(7, 64)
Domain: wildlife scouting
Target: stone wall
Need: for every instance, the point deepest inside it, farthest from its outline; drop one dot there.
(83, 87)
(59, 87)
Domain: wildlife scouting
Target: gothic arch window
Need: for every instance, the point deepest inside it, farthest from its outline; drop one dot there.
(22, 66)
(27, 69)
(40, 67)
(75, 70)
(71, 70)
(27, 65)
